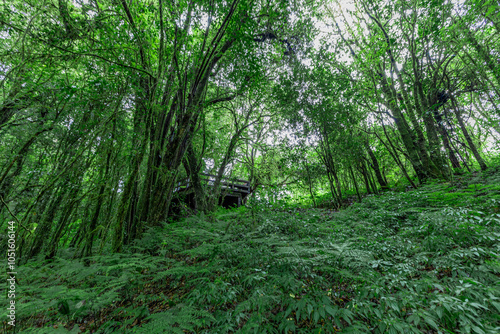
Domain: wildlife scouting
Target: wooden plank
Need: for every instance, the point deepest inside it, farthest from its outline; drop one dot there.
(225, 178)
(235, 188)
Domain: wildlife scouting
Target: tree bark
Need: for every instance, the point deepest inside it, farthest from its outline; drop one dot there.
(376, 167)
(468, 138)
(353, 178)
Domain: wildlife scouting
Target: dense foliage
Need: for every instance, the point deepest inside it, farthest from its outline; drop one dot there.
(423, 261)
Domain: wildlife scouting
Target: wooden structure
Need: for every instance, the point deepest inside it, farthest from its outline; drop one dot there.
(232, 193)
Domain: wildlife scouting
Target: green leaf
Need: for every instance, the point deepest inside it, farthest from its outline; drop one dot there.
(310, 308)
(316, 316)
(331, 311)
(496, 304)
(431, 322)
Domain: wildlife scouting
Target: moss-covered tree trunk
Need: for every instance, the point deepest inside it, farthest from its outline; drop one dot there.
(376, 167)
(467, 136)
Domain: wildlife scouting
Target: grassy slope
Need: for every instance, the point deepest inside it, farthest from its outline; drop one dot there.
(424, 261)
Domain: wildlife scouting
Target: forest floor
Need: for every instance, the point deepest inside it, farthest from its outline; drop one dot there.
(422, 261)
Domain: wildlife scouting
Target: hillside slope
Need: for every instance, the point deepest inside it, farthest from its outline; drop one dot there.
(423, 261)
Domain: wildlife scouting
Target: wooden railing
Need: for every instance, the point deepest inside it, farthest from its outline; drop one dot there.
(226, 184)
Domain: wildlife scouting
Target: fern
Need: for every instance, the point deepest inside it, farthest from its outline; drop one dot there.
(176, 320)
(396, 263)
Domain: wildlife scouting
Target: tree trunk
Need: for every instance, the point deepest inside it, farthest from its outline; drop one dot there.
(89, 242)
(394, 154)
(335, 197)
(310, 185)
(44, 227)
(404, 131)
(472, 146)
(351, 172)
(363, 171)
(192, 165)
(376, 167)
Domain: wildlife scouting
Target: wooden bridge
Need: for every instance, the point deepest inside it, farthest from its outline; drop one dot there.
(233, 191)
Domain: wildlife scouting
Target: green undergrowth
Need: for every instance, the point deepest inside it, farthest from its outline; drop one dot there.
(422, 261)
